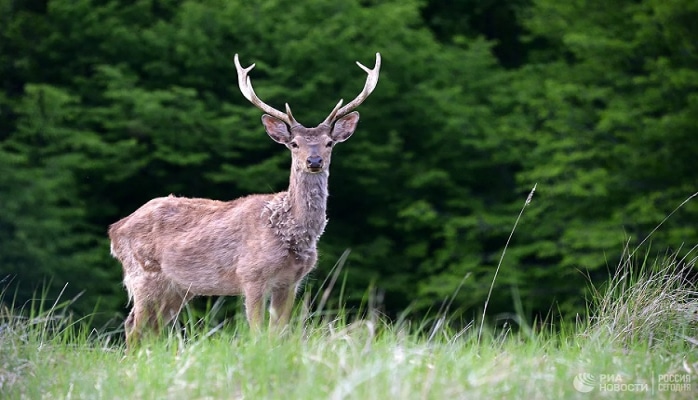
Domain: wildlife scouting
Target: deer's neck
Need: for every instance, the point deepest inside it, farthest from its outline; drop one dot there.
(299, 215)
(307, 195)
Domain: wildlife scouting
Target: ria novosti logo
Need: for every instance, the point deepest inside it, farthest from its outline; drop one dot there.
(586, 383)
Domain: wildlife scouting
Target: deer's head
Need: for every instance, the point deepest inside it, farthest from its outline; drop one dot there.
(311, 148)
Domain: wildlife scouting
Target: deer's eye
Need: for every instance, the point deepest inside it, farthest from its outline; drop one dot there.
(293, 145)
(329, 144)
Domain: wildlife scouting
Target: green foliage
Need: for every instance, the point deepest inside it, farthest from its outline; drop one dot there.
(107, 104)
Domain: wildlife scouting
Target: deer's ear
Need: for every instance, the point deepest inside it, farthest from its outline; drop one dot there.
(276, 129)
(345, 126)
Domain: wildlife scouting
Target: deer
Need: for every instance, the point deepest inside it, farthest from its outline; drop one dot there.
(260, 246)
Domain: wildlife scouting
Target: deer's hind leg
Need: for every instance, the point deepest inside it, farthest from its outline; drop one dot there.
(156, 302)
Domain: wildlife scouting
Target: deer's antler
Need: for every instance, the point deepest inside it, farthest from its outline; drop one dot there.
(371, 82)
(246, 88)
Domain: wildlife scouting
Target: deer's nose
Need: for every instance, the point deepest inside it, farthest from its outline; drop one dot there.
(314, 162)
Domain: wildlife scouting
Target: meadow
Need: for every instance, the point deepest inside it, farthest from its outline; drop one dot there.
(107, 104)
(639, 339)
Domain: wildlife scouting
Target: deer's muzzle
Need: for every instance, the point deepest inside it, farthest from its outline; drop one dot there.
(314, 163)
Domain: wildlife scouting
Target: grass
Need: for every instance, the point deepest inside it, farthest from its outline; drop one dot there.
(638, 339)
(641, 327)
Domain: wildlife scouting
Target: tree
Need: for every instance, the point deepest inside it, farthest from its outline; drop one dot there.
(107, 104)
(146, 104)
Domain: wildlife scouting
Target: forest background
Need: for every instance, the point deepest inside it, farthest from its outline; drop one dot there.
(107, 104)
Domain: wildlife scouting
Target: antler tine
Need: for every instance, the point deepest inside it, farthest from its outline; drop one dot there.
(333, 115)
(245, 84)
(371, 82)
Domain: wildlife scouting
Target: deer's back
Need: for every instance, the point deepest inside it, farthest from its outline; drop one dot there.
(207, 246)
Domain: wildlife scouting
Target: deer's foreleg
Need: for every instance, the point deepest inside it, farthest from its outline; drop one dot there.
(254, 306)
(281, 306)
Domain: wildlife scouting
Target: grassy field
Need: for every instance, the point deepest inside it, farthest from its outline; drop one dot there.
(640, 339)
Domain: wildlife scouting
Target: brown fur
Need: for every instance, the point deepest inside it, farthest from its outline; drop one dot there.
(174, 248)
